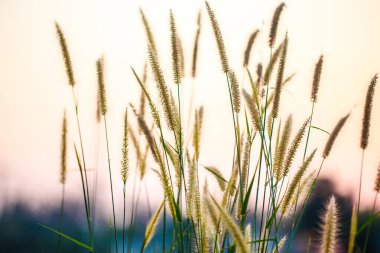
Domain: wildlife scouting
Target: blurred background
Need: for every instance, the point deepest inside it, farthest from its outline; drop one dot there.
(34, 94)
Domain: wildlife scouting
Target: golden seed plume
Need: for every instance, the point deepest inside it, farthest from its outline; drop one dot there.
(65, 54)
(124, 150)
(377, 181)
(148, 136)
(198, 119)
(232, 227)
(271, 64)
(149, 34)
(334, 135)
(101, 87)
(293, 148)
(153, 108)
(353, 227)
(367, 113)
(196, 46)
(316, 79)
(330, 228)
(163, 90)
(64, 149)
(218, 38)
(142, 95)
(280, 75)
(176, 164)
(136, 145)
(235, 91)
(295, 182)
(281, 244)
(248, 48)
(259, 73)
(255, 116)
(282, 146)
(175, 50)
(151, 227)
(273, 28)
(181, 56)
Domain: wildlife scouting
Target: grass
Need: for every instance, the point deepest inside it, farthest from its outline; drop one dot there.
(237, 219)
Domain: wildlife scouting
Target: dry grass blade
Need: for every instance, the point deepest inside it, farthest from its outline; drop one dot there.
(101, 86)
(151, 227)
(334, 135)
(65, 54)
(64, 149)
(316, 79)
(330, 228)
(248, 48)
(124, 151)
(273, 28)
(218, 38)
(367, 113)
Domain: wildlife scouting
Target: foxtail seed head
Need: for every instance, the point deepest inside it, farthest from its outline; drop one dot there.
(219, 38)
(101, 86)
(273, 28)
(367, 113)
(65, 54)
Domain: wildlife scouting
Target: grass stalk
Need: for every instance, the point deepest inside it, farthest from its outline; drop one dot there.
(308, 131)
(110, 176)
(370, 225)
(61, 218)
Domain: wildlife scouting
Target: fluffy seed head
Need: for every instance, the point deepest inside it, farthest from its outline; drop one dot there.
(281, 149)
(235, 91)
(163, 90)
(316, 79)
(219, 38)
(63, 149)
(330, 228)
(254, 112)
(101, 86)
(293, 148)
(280, 75)
(124, 150)
(195, 48)
(333, 135)
(248, 48)
(175, 50)
(271, 64)
(149, 33)
(367, 113)
(377, 182)
(273, 28)
(259, 73)
(65, 54)
(295, 182)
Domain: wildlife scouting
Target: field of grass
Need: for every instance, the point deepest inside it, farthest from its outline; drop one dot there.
(260, 204)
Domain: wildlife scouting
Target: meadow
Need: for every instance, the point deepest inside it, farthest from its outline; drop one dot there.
(259, 205)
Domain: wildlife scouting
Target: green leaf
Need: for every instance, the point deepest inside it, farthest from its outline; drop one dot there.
(81, 244)
(368, 222)
(320, 129)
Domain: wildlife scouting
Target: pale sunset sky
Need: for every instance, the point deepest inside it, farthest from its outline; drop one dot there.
(34, 90)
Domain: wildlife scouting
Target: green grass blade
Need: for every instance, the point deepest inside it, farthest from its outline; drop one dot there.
(81, 244)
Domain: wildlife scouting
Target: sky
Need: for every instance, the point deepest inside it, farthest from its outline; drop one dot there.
(34, 90)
